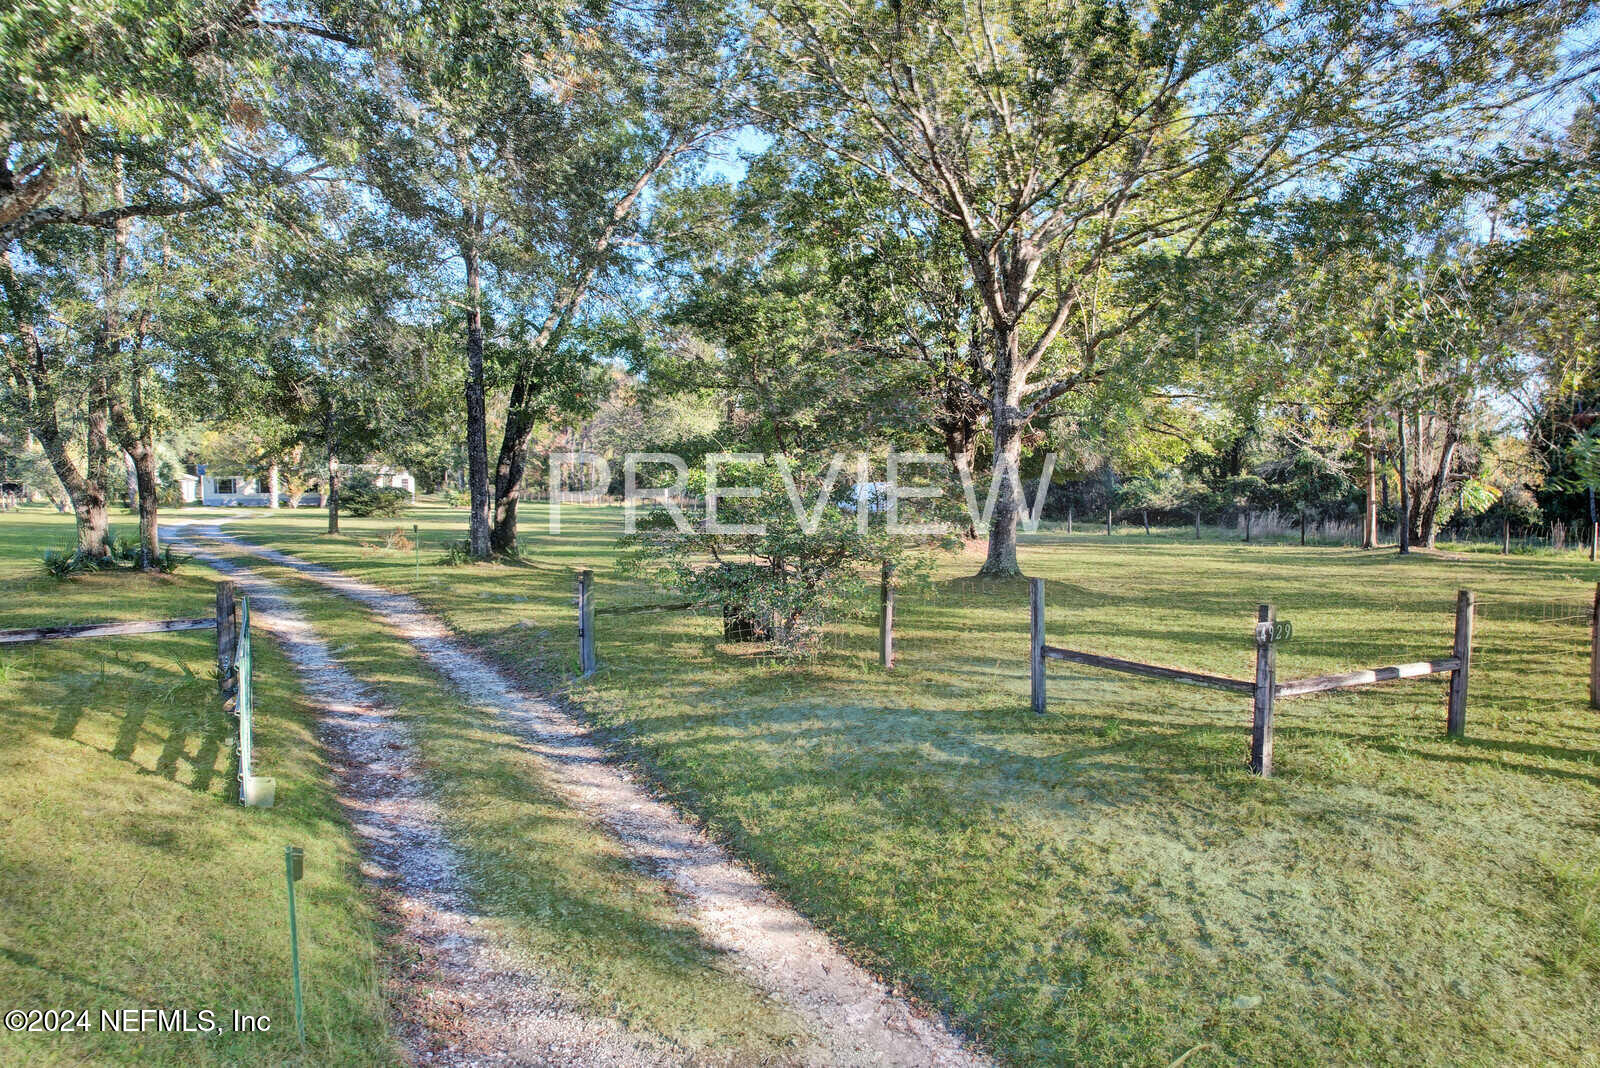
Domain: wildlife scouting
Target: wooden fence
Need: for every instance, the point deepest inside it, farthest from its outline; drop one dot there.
(231, 623)
(587, 663)
(1265, 689)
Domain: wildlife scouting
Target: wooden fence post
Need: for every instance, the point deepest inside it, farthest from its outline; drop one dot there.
(1036, 656)
(586, 661)
(227, 646)
(886, 617)
(1594, 651)
(1594, 535)
(1266, 687)
(1456, 716)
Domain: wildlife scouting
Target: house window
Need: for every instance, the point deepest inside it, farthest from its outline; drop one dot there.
(227, 485)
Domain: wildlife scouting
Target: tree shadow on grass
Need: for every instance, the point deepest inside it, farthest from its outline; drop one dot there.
(28, 960)
(1477, 752)
(169, 760)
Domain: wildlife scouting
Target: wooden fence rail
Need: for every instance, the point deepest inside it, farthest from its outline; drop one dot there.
(1154, 671)
(102, 630)
(1323, 683)
(1265, 688)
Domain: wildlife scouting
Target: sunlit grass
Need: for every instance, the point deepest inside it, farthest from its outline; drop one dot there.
(129, 876)
(1107, 882)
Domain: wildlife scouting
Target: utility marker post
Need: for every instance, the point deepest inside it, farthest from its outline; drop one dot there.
(294, 866)
(1036, 634)
(1456, 715)
(1266, 687)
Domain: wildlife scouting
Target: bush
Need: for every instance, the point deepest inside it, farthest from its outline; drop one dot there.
(122, 554)
(362, 497)
(455, 554)
(797, 575)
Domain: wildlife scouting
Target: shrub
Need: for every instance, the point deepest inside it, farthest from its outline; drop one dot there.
(795, 574)
(455, 554)
(396, 539)
(122, 554)
(362, 497)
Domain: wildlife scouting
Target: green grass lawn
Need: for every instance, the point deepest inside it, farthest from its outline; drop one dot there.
(129, 876)
(1107, 882)
(130, 880)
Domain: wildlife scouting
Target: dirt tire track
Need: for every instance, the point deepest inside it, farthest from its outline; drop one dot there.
(464, 1000)
(853, 1018)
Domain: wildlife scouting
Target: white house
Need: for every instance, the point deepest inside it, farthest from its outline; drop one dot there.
(233, 490)
(219, 489)
(188, 488)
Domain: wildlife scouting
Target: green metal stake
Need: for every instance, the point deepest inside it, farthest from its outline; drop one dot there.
(294, 866)
(416, 544)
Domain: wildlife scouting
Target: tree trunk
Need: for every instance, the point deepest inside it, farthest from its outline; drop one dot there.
(1197, 526)
(138, 443)
(1001, 561)
(1369, 512)
(89, 509)
(477, 410)
(332, 500)
(1505, 535)
(1403, 527)
(98, 454)
(144, 466)
(1428, 514)
(1302, 526)
(87, 499)
(510, 466)
(333, 494)
(97, 447)
(1146, 522)
(1069, 519)
(1247, 526)
(509, 470)
(959, 448)
(272, 485)
(1108, 522)
(131, 480)
(135, 433)
(37, 394)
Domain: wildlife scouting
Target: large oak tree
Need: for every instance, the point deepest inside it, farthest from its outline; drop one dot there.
(1073, 142)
